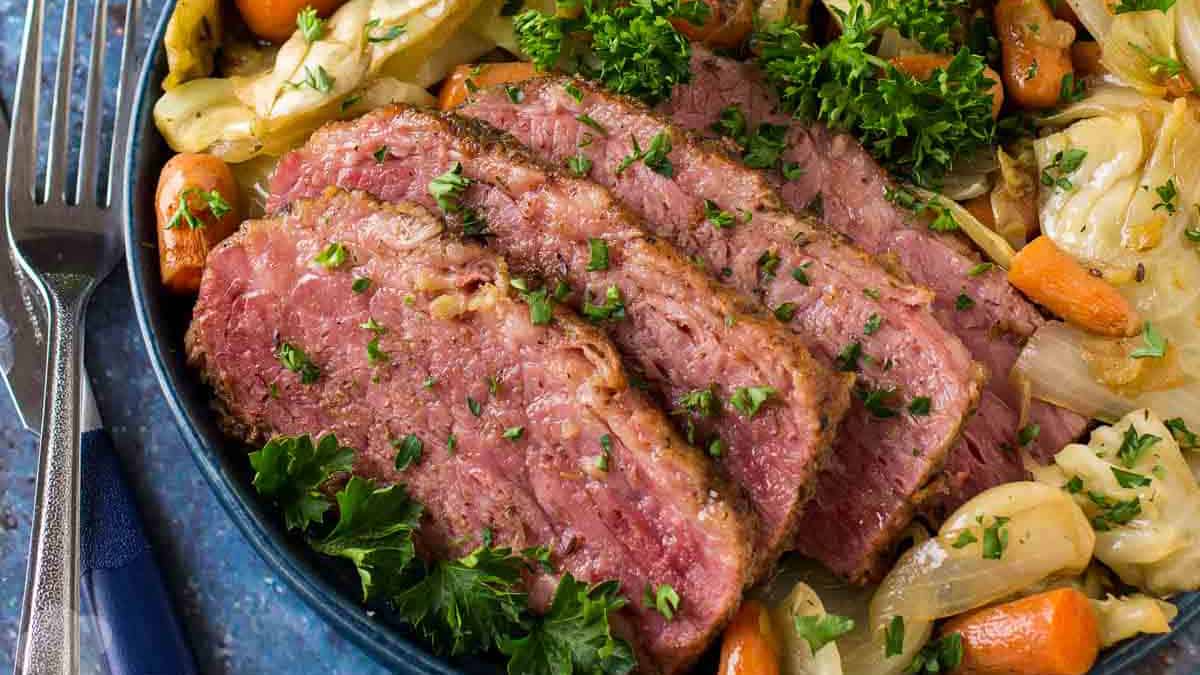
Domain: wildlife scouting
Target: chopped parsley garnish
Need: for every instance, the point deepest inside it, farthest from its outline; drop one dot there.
(768, 263)
(408, 451)
(917, 127)
(713, 214)
(515, 94)
(632, 49)
(1065, 163)
(765, 146)
(474, 406)
(1113, 511)
(612, 309)
(1134, 445)
(944, 220)
(573, 91)
(375, 355)
(1129, 479)
(289, 470)
(332, 256)
(819, 631)
(785, 312)
(664, 599)
(474, 224)
(381, 154)
(372, 325)
(361, 284)
(294, 359)
(448, 188)
(1167, 194)
(731, 122)
(893, 637)
(874, 322)
(579, 165)
(592, 123)
(703, 402)
(597, 255)
(213, 201)
(1184, 436)
(1192, 234)
(1032, 71)
(493, 384)
(920, 406)
(749, 400)
(605, 452)
(429, 382)
(513, 433)
(388, 35)
(872, 293)
(847, 358)
(656, 155)
(1029, 433)
(311, 26)
(716, 447)
(877, 401)
(452, 443)
(963, 302)
(1074, 485)
(964, 539)
(800, 274)
(791, 170)
(981, 268)
(995, 539)
(1143, 6)
(943, 655)
(1070, 90)
(1154, 344)
(540, 309)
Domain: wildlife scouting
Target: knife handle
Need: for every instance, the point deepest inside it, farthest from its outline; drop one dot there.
(138, 630)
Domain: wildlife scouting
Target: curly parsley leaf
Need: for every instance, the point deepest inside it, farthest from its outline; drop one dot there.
(374, 531)
(469, 605)
(916, 127)
(574, 636)
(290, 469)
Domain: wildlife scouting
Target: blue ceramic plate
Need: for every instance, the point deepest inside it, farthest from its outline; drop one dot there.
(329, 589)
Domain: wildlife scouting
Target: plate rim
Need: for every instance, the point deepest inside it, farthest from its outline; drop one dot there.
(351, 619)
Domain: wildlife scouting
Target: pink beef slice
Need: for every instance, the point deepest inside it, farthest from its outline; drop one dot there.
(681, 330)
(829, 292)
(657, 515)
(852, 187)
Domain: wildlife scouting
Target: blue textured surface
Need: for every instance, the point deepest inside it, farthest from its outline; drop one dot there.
(238, 616)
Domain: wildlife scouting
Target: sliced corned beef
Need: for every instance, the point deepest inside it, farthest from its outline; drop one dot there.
(447, 324)
(916, 382)
(851, 188)
(686, 334)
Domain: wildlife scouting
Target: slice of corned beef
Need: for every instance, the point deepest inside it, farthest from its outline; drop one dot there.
(851, 187)
(852, 313)
(444, 324)
(685, 333)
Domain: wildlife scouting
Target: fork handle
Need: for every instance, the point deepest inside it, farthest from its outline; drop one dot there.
(48, 642)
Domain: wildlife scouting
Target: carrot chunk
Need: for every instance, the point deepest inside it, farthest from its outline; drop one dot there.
(749, 646)
(1056, 280)
(468, 78)
(1051, 633)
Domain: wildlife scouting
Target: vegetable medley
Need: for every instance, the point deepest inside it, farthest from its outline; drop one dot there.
(1061, 137)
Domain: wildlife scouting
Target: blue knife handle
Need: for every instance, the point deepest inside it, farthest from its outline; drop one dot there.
(120, 579)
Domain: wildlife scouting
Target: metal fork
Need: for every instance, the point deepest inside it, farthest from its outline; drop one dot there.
(68, 244)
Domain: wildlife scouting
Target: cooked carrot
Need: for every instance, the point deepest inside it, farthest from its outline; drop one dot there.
(456, 88)
(981, 208)
(749, 646)
(1036, 51)
(1054, 279)
(728, 24)
(1051, 633)
(921, 66)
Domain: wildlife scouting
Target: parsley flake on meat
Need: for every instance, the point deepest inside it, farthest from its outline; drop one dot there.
(785, 312)
(800, 273)
(579, 165)
(294, 359)
(703, 402)
(847, 359)
(469, 605)
(1029, 433)
(612, 309)
(664, 599)
(574, 636)
(749, 400)
(819, 631)
(408, 451)
(332, 256)
(768, 263)
(361, 284)
(448, 188)
(374, 531)
(713, 214)
(513, 433)
(874, 322)
(877, 400)
(597, 255)
(289, 470)
(916, 127)
(375, 355)
(920, 406)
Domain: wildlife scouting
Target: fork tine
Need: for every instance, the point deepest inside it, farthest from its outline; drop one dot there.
(22, 144)
(59, 147)
(115, 190)
(93, 111)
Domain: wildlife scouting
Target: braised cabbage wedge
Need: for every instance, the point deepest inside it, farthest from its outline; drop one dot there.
(1142, 499)
(194, 32)
(1121, 618)
(1153, 51)
(368, 50)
